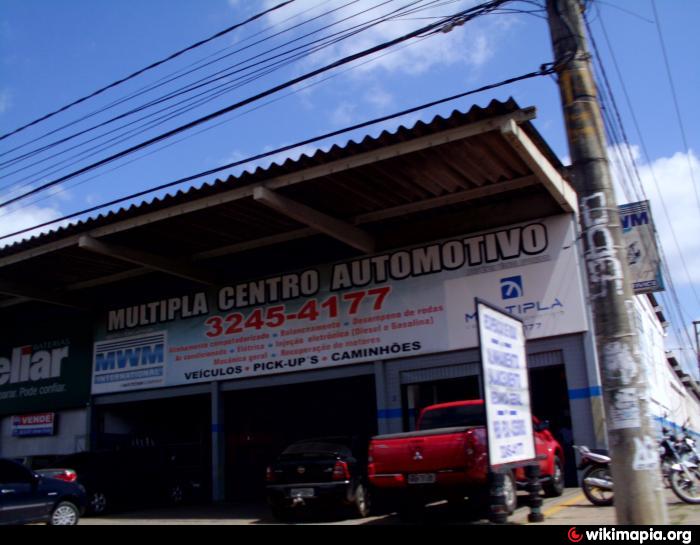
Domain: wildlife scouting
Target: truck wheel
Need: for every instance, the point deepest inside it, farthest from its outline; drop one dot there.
(362, 504)
(511, 492)
(555, 487)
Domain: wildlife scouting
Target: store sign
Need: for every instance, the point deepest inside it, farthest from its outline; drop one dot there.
(34, 425)
(408, 302)
(643, 258)
(506, 388)
(52, 373)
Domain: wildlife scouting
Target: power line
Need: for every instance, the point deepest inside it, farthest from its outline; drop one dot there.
(212, 94)
(6, 213)
(646, 155)
(160, 122)
(168, 96)
(186, 70)
(676, 105)
(147, 68)
(543, 71)
(329, 40)
(675, 306)
(459, 17)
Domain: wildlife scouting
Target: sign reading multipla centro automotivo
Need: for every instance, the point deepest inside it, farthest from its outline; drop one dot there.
(48, 374)
(34, 425)
(413, 301)
(506, 388)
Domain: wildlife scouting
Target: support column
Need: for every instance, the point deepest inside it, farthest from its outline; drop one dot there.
(218, 446)
(382, 401)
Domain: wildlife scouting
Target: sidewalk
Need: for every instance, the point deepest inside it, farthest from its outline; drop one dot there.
(571, 509)
(574, 509)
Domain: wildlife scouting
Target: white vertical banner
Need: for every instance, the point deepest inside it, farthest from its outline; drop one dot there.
(506, 386)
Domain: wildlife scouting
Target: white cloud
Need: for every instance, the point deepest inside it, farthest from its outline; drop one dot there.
(472, 44)
(344, 114)
(20, 217)
(379, 98)
(682, 211)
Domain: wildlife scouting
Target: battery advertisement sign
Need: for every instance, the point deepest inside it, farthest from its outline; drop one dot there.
(506, 387)
(408, 302)
(44, 370)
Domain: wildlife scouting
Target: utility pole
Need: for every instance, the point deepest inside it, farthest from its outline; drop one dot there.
(639, 497)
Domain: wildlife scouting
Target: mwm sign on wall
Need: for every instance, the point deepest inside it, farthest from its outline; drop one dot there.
(639, 238)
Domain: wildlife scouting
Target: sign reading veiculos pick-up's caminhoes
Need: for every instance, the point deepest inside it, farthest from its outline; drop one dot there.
(46, 373)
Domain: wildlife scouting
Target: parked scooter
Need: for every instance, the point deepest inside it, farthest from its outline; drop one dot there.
(597, 483)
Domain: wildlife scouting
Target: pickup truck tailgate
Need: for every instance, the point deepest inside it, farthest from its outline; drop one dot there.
(425, 452)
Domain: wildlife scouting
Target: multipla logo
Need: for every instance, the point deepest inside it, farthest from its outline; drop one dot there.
(130, 359)
(27, 364)
(512, 287)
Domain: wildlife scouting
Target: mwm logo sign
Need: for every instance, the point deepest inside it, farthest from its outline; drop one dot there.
(130, 359)
(512, 287)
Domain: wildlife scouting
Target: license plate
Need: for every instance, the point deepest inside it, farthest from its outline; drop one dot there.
(421, 478)
(302, 493)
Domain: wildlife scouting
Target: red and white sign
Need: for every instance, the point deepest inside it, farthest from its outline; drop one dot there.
(33, 425)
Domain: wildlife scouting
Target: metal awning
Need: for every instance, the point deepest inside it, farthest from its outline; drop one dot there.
(352, 194)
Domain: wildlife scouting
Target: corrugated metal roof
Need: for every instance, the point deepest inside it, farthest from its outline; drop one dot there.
(453, 175)
(485, 169)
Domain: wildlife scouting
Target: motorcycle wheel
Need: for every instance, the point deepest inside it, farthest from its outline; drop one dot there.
(597, 496)
(688, 490)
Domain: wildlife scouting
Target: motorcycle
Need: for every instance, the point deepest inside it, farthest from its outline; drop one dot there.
(597, 483)
(680, 464)
(680, 467)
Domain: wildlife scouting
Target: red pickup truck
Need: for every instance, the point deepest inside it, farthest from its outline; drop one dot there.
(447, 458)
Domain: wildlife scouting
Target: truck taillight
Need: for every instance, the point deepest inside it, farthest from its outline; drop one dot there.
(341, 472)
(371, 469)
(269, 475)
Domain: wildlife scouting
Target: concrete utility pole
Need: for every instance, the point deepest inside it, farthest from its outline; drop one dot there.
(631, 433)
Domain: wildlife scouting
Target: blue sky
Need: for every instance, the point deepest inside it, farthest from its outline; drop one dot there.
(54, 52)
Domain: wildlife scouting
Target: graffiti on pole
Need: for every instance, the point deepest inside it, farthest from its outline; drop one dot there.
(604, 267)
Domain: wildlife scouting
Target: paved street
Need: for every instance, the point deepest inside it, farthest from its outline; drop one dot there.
(570, 509)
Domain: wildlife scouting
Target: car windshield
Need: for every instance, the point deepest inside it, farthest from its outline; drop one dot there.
(316, 448)
(453, 417)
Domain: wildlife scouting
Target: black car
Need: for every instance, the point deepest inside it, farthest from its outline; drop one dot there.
(325, 472)
(130, 478)
(27, 497)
